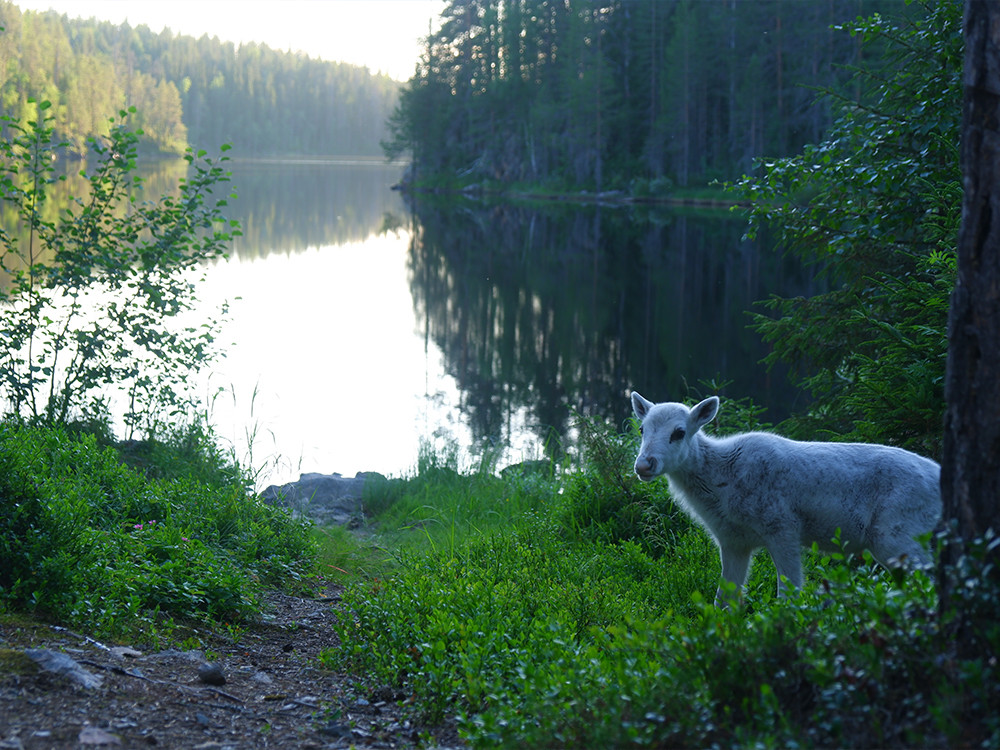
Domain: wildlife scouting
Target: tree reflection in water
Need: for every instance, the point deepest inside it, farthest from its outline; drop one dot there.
(546, 312)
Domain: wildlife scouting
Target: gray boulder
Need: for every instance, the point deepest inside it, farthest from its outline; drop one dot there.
(326, 499)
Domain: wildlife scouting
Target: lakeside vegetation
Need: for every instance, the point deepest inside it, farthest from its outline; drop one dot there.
(544, 605)
(571, 606)
(137, 539)
(128, 538)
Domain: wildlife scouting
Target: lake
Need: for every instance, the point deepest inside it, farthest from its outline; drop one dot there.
(362, 328)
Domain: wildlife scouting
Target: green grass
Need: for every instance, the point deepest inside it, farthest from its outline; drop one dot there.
(348, 556)
(573, 608)
(89, 540)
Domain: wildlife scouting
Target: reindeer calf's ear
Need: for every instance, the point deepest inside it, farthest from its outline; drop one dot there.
(640, 406)
(705, 412)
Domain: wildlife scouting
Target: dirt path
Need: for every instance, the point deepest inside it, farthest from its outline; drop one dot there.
(275, 695)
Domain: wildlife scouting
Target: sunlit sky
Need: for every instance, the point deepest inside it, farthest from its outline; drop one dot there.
(383, 35)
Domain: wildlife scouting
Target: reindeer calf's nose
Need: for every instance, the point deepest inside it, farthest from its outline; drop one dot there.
(644, 465)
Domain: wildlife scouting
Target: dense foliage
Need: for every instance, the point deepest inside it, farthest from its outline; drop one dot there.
(88, 541)
(876, 206)
(150, 535)
(620, 94)
(95, 298)
(558, 608)
(202, 92)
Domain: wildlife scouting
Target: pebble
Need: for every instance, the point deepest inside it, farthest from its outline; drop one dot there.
(335, 729)
(211, 673)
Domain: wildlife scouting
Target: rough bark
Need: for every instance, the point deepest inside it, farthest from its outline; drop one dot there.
(970, 478)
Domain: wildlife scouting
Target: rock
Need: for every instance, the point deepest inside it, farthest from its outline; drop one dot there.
(97, 736)
(335, 729)
(211, 673)
(326, 499)
(65, 665)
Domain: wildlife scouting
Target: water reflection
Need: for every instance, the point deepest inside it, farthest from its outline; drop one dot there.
(286, 207)
(325, 371)
(545, 313)
(282, 206)
(348, 344)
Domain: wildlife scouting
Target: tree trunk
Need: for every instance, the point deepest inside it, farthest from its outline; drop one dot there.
(970, 476)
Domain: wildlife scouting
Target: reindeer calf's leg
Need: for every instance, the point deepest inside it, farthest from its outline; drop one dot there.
(787, 556)
(735, 563)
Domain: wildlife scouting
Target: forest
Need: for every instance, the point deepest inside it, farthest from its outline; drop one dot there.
(624, 94)
(186, 91)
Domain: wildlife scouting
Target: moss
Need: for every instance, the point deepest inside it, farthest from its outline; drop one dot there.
(16, 662)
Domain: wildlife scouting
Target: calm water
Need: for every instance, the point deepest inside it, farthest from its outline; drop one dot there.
(361, 326)
(326, 368)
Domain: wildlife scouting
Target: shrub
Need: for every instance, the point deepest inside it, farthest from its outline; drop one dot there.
(814, 670)
(95, 299)
(605, 502)
(876, 207)
(456, 628)
(536, 633)
(87, 540)
(534, 640)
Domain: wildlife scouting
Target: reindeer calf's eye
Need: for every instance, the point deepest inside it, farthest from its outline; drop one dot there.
(676, 435)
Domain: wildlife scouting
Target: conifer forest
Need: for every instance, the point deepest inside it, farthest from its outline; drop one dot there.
(624, 94)
(199, 92)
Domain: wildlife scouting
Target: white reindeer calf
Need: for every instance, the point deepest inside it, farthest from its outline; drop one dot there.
(761, 490)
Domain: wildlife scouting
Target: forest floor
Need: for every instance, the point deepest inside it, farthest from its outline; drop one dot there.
(275, 693)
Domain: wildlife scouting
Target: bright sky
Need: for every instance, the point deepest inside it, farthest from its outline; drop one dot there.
(384, 35)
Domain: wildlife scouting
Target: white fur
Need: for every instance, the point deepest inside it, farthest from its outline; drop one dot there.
(761, 490)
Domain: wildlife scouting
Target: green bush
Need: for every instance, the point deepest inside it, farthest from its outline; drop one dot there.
(565, 627)
(456, 628)
(186, 450)
(87, 540)
(605, 502)
(876, 207)
(842, 667)
(94, 299)
(536, 640)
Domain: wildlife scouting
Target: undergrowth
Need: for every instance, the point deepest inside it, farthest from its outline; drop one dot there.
(90, 541)
(572, 608)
